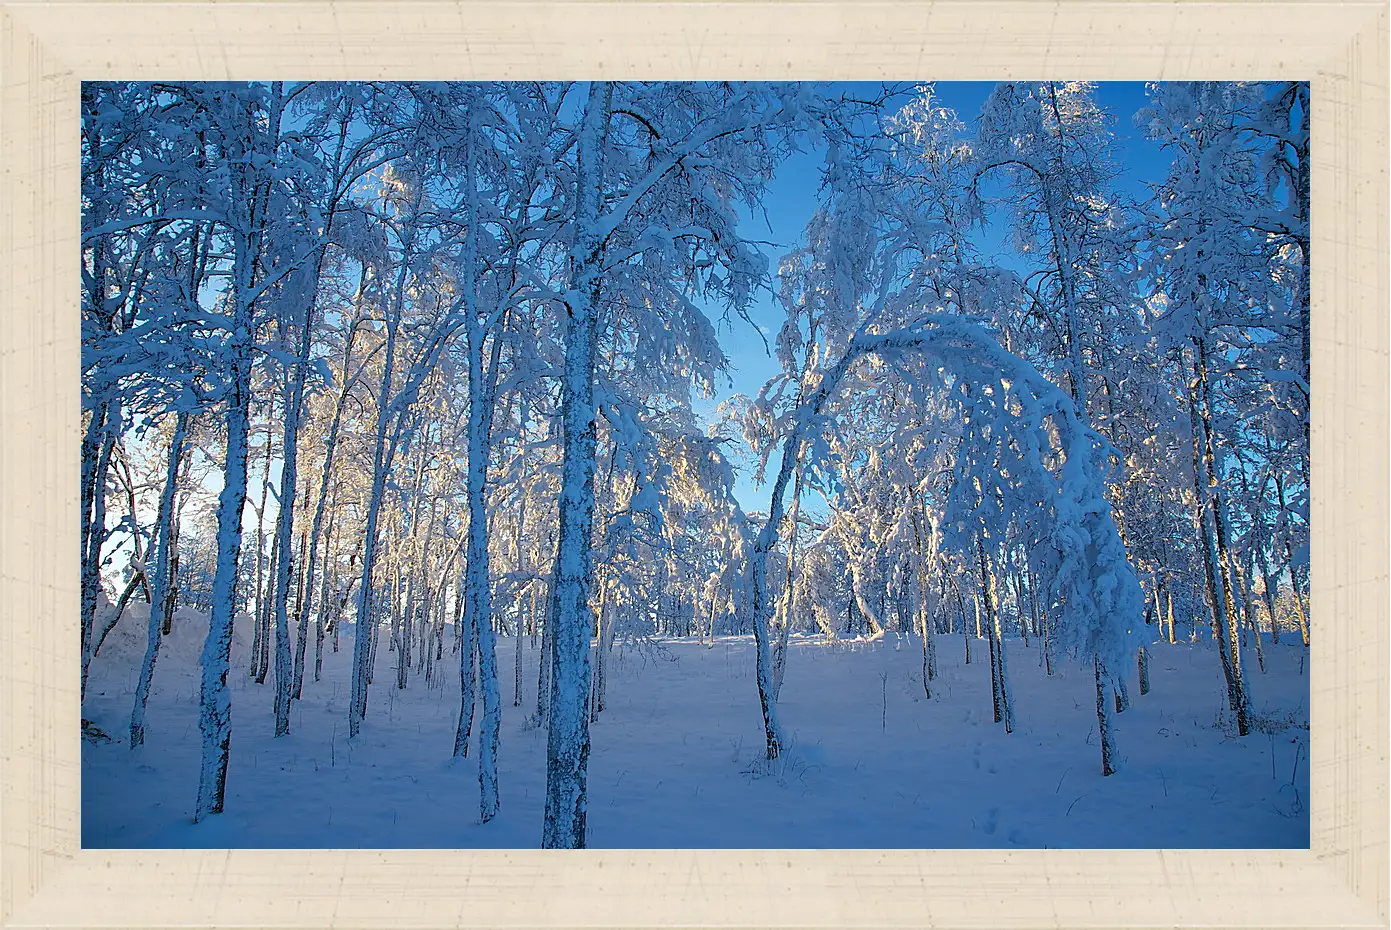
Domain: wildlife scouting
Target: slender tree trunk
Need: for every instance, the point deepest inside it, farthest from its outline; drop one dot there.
(301, 616)
(468, 679)
(171, 587)
(608, 503)
(929, 640)
(606, 644)
(518, 540)
(1034, 617)
(374, 631)
(284, 526)
(459, 609)
(1223, 561)
(171, 590)
(1222, 620)
(1108, 746)
(534, 620)
(1169, 610)
(990, 643)
(161, 558)
(364, 637)
(517, 650)
(320, 511)
(97, 539)
(961, 615)
(100, 306)
(1269, 586)
(136, 578)
(261, 592)
(214, 703)
(324, 583)
(401, 627)
(1248, 611)
(1019, 606)
(264, 613)
(998, 688)
(478, 599)
(1006, 696)
(97, 444)
(602, 622)
(543, 668)
(1289, 564)
(710, 624)
(785, 607)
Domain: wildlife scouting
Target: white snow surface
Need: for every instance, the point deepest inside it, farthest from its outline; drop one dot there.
(676, 759)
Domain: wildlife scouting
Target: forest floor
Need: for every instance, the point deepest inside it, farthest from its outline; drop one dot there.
(676, 759)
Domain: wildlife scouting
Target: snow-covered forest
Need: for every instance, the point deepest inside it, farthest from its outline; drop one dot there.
(428, 498)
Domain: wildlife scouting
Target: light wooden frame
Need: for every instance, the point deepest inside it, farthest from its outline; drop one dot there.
(47, 48)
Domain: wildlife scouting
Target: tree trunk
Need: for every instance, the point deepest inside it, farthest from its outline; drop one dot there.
(286, 680)
(301, 618)
(159, 590)
(478, 597)
(518, 540)
(284, 529)
(1248, 612)
(327, 574)
(543, 667)
(364, 637)
(468, 677)
(567, 746)
(374, 629)
(97, 444)
(929, 640)
(1289, 564)
(785, 607)
(1223, 561)
(990, 643)
(264, 611)
(1169, 611)
(517, 649)
(603, 622)
(136, 578)
(999, 690)
(1223, 619)
(1019, 607)
(1108, 746)
(214, 703)
(171, 588)
(1006, 697)
(961, 615)
(257, 663)
(1268, 585)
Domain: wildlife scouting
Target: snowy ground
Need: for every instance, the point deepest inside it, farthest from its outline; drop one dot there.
(676, 757)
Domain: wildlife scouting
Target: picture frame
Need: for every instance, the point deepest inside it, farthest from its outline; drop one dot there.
(47, 48)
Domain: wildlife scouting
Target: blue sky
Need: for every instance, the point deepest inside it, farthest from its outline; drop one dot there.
(792, 199)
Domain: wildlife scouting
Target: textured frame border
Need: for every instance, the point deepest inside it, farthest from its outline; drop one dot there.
(46, 879)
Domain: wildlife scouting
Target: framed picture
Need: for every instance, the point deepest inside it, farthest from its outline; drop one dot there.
(67, 860)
